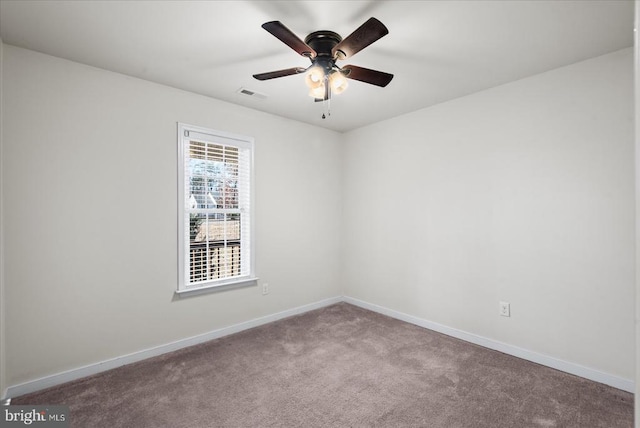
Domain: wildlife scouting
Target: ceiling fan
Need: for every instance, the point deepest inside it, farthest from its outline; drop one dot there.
(324, 48)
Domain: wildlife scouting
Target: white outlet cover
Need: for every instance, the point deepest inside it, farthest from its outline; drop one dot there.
(505, 309)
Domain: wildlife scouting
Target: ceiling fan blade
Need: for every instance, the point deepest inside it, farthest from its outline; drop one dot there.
(374, 77)
(287, 36)
(279, 73)
(362, 37)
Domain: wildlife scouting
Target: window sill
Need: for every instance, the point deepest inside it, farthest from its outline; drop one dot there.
(214, 288)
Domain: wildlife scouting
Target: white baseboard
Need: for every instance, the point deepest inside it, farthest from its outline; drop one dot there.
(91, 369)
(545, 360)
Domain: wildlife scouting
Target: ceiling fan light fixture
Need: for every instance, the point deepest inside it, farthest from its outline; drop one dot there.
(324, 48)
(338, 82)
(317, 93)
(315, 77)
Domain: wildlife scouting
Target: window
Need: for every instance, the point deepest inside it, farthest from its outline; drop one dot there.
(215, 209)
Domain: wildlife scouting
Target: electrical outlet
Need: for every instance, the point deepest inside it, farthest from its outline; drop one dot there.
(265, 288)
(505, 309)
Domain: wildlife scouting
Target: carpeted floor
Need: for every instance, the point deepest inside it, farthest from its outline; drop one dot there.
(340, 366)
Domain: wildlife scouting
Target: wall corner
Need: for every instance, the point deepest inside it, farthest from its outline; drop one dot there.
(3, 373)
(636, 50)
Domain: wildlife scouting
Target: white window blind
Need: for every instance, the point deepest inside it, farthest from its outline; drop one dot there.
(215, 197)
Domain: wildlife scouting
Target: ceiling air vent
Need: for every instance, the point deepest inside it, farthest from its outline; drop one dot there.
(252, 94)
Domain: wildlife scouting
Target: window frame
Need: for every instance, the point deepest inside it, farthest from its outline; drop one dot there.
(185, 287)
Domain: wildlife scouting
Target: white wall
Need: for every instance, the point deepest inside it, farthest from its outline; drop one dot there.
(522, 193)
(91, 214)
(3, 383)
(636, 40)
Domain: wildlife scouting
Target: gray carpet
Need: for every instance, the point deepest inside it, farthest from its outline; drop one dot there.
(340, 366)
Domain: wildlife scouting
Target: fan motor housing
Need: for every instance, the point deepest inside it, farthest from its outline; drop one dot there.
(323, 42)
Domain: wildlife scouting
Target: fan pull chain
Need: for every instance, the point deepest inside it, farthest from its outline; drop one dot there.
(326, 103)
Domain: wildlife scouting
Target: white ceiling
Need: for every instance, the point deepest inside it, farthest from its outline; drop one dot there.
(437, 50)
